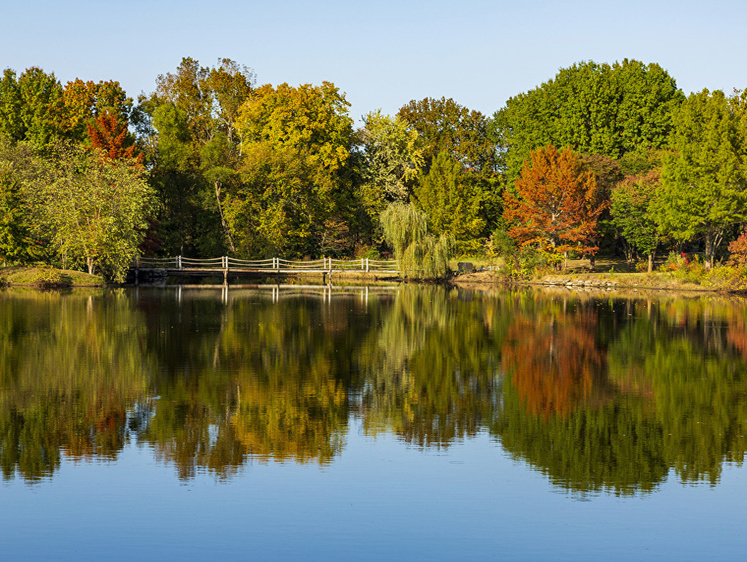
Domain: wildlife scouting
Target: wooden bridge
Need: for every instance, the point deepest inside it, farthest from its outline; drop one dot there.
(226, 266)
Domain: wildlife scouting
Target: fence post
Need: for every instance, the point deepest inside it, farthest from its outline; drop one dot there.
(362, 267)
(224, 259)
(178, 262)
(367, 265)
(137, 269)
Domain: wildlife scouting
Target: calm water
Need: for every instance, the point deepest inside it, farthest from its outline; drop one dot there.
(407, 423)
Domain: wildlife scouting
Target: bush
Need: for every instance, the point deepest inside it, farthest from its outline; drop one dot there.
(529, 262)
(738, 250)
(365, 251)
(49, 278)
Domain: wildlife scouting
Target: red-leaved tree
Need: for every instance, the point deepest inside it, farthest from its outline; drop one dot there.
(110, 134)
(556, 205)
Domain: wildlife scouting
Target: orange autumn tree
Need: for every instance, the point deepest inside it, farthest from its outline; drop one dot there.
(556, 205)
(109, 134)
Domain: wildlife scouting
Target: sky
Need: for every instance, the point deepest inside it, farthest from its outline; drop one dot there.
(381, 54)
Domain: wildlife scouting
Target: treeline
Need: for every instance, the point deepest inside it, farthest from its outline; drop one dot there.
(610, 158)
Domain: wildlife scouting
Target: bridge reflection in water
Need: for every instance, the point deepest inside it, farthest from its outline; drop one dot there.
(273, 292)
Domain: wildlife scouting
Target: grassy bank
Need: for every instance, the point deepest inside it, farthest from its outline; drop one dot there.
(46, 277)
(617, 274)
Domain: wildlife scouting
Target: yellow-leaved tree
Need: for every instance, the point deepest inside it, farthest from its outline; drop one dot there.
(296, 187)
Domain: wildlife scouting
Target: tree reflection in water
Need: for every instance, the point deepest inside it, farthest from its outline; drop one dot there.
(600, 394)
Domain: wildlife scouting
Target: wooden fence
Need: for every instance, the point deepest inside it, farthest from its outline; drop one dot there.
(270, 266)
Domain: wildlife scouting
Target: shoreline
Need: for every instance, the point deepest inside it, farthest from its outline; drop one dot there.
(595, 282)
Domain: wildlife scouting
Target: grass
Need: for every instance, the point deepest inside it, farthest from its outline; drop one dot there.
(622, 274)
(47, 277)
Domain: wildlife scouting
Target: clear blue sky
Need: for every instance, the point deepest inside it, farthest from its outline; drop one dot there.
(381, 54)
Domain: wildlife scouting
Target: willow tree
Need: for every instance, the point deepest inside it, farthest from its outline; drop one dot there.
(418, 254)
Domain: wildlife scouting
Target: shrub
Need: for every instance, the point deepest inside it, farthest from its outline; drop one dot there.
(366, 251)
(738, 250)
(48, 278)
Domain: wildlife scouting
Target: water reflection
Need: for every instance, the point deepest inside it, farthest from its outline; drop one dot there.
(600, 394)
(71, 367)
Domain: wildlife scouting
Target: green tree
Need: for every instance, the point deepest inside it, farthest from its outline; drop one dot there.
(451, 202)
(631, 205)
(703, 179)
(445, 125)
(392, 158)
(92, 210)
(418, 253)
(31, 106)
(195, 151)
(592, 108)
(17, 243)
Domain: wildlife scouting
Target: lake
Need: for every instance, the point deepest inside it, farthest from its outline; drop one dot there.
(410, 422)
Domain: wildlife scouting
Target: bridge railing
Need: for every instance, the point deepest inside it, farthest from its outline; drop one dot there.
(276, 264)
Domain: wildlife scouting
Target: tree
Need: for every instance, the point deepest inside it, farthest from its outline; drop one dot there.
(196, 151)
(418, 254)
(85, 102)
(451, 202)
(17, 243)
(296, 151)
(703, 189)
(592, 108)
(631, 205)
(111, 136)
(93, 210)
(30, 106)
(556, 205)
(392, 158)
(445, 125)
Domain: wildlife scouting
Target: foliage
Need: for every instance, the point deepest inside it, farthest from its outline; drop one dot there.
(703, 179)
(631, 212)
(451, 202)
(428, 258)
(446, 126)
(31, 106)
(84, 103)
(592, 108)
(296, 145)
(403, 224)
(738, 249)
(17, 243)
(500, 243)
(93, 211)
(110, 135)
(418, 253)
(391, 160)
(195, 148)
(556, 206)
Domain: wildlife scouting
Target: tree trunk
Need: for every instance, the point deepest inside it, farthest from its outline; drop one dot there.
(650, 262)
(90, 264)
(226, 230)
(712, 240)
